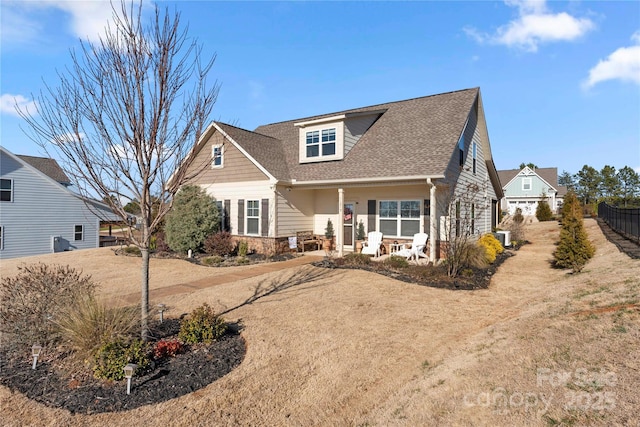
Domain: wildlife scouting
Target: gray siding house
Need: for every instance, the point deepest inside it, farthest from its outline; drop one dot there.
(39, 214)
(397, 167)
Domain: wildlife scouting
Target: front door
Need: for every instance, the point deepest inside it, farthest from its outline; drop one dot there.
(348, 224)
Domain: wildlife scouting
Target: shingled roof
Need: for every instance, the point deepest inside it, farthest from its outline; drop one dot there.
(550, 175)
(47, 166)
(415, 137)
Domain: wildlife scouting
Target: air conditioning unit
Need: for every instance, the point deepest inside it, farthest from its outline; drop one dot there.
(507, 238)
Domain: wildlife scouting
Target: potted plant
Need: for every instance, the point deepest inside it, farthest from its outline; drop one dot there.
(328, 234)
(360, 235)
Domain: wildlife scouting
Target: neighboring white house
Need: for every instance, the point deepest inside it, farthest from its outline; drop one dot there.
(397, 167)
(523, 188)
(39, 214)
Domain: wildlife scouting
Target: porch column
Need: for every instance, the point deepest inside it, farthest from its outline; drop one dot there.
(433, 226)
(340, 230)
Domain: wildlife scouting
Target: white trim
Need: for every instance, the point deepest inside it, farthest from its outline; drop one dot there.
(320, 121)
(246, 217)
(244, 152)
(399, 217)
(338, 142)
(527, 180)
(10, 190)
(365, 180)
(219, 147)
(75, 232)
(1, 237)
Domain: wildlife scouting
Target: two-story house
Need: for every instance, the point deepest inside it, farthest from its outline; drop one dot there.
(39, 214)
(524, 188)
(395, 167)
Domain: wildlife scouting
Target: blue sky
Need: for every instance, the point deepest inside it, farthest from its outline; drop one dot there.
(560, 80)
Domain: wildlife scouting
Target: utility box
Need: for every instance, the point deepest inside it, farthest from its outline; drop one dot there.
(505, 238)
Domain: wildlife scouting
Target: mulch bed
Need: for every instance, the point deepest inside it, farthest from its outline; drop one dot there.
(201, 259)
(435, 277)
(172, 377)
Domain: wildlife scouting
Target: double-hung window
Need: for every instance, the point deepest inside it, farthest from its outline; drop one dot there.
(253, 217)
(313, 143)
(216, 155)
(6, 190)
(321, 143)
(399, 218)
(78, 232)
(329, 142)
(526, 184)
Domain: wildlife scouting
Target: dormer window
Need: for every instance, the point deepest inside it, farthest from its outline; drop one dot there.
(322, 140)
(326, 145)
(329, 142)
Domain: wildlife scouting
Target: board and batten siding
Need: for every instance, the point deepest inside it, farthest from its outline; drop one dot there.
(40, 210)
(236, 167)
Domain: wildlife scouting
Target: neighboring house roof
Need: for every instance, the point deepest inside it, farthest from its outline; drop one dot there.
(549, 175)
(415, 137)
(47, 166)
(21, 159)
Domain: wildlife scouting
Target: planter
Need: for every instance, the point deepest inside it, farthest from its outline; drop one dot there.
(327, 244)
(359, 246)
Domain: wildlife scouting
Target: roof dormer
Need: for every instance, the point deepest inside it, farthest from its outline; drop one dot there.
(331, 138)
(321, 139)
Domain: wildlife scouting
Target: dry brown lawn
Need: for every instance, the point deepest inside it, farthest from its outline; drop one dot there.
(539, 347)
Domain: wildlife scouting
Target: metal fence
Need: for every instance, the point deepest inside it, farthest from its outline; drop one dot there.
(625, 221)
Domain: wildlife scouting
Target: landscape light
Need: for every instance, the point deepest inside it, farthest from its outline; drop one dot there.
(129, 369)
(35, 352)
(161, 309)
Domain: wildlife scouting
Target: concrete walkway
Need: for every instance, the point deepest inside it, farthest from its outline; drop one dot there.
(219, 279)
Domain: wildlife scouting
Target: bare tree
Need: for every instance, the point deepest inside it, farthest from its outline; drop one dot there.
(462, 209)
(126, 115)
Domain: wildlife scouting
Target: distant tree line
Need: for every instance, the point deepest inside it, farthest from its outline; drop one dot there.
(616, 187)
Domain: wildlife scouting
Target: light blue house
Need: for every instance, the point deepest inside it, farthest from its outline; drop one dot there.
(38, 212)
(523, 188)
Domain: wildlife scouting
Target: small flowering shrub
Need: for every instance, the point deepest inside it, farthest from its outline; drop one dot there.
(491, 245)
(167, 349)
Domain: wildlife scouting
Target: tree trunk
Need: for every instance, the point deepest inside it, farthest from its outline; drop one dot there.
(144, 303)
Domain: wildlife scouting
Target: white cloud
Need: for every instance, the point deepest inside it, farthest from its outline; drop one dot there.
(67, 138)
(87, 19)
(623, 64)
(8, 104)
(534, 26)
